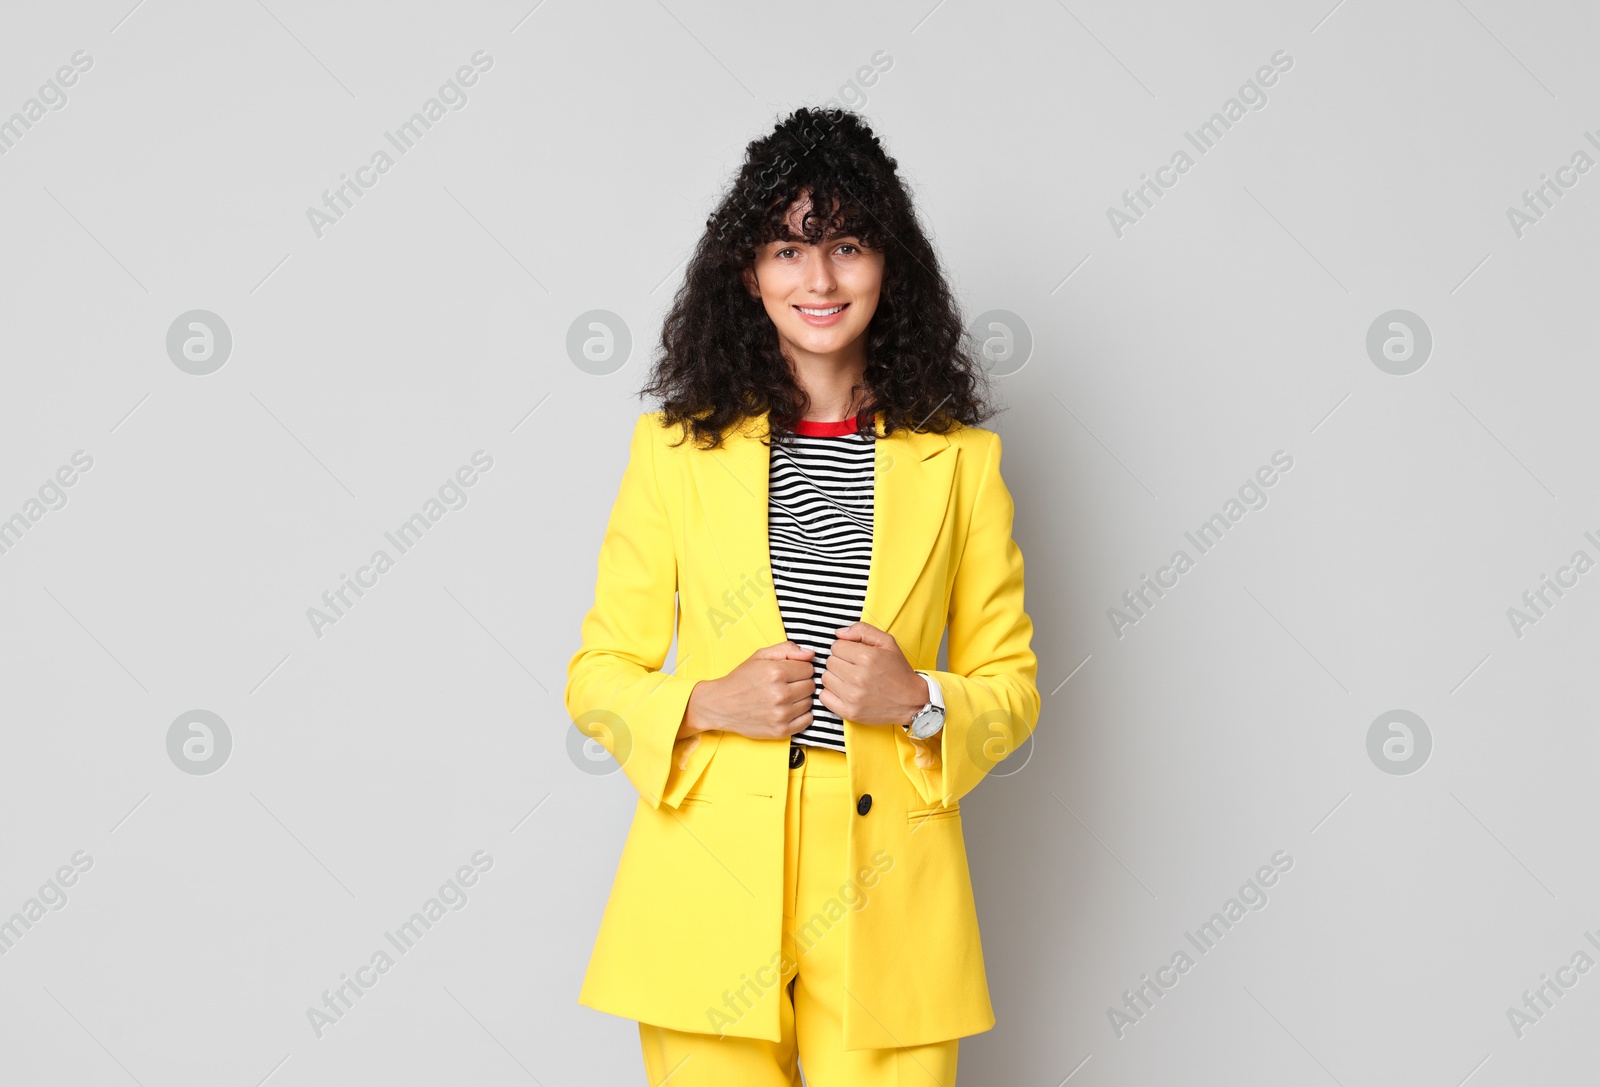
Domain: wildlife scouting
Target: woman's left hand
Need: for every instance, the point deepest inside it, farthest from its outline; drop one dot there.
(868, 679)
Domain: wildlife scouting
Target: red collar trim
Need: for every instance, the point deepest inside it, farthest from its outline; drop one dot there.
(812, 428)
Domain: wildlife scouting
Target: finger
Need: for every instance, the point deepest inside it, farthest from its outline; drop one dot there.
(799, 688)
(833, 704)
(841, 665)
(835, 686)
(847, 651)
(865, 633)
(801, 691)
(785, 650)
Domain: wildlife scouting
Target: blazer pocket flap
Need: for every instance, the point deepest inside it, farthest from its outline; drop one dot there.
(922, 815)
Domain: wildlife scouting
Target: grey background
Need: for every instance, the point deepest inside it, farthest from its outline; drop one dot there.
(367, 365)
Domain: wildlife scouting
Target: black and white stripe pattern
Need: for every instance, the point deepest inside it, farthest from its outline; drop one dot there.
(819, 532)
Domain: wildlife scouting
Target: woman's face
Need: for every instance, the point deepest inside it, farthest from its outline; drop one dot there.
(820, 297)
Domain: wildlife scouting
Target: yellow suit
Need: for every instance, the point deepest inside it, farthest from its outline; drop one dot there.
(695, 911)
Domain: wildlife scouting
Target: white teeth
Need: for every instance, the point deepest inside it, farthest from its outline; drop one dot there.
(820, 312)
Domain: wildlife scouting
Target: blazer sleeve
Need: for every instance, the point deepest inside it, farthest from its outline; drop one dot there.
(990, 693)
(616, 691)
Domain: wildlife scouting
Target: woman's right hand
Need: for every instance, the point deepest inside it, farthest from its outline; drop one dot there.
(767, 697)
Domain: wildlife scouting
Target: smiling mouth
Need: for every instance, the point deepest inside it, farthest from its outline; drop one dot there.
(828, 312)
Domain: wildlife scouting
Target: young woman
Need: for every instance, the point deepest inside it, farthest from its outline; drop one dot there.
(794, 889)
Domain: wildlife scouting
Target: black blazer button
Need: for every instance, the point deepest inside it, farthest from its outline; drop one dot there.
(864, 804)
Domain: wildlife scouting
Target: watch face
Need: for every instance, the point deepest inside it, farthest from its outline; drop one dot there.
(927, 722)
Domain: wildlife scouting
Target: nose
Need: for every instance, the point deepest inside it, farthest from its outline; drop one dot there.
(819, 276)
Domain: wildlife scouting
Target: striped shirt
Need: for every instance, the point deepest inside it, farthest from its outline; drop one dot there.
(819, 532)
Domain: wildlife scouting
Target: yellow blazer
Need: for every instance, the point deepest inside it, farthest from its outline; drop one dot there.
(694, 915)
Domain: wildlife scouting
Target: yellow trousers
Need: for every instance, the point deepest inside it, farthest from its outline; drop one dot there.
(812, 996)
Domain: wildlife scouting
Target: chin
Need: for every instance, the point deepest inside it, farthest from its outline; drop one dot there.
(827, 347)
(836, 339)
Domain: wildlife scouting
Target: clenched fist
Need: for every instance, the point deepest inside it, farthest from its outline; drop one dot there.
(768, 697)
(869, 680)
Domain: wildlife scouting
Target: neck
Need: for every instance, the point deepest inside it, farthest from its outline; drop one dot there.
(830, 386)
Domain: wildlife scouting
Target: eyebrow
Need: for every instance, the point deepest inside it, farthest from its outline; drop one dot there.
(789, 236)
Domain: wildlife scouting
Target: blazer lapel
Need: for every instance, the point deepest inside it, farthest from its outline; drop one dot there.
(912, 475)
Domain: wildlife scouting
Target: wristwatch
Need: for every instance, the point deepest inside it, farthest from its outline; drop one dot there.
(930, 718)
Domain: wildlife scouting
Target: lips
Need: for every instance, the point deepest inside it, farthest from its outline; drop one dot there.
(822, 316)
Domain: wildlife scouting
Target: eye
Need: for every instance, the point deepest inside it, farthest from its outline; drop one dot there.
(786, 249)
(850, 245)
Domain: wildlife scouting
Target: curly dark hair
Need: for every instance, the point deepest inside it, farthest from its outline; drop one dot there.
(720, 362)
